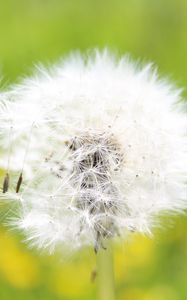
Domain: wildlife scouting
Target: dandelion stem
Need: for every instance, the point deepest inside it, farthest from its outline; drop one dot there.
(105, 289)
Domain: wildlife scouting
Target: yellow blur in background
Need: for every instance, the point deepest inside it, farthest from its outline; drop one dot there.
(33, 31)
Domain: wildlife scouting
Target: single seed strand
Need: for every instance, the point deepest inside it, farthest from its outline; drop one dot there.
(27, 147)
(6, 183)
(20, 179)
(10, 148)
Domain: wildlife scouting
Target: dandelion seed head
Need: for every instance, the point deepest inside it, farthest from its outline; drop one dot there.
(101, 144)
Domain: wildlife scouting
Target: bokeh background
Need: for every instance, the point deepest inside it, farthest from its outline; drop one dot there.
(34, 31)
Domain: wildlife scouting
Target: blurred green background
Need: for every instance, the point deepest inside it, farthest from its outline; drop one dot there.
(34, 31)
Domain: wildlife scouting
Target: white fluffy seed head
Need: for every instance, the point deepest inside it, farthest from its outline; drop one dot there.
(101, 146)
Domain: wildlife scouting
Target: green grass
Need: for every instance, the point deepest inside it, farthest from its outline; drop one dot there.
(36, 30)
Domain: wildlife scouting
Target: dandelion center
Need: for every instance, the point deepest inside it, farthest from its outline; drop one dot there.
(96, 159)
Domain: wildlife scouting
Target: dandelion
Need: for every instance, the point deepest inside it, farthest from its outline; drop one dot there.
(93, 148)
(101, 146)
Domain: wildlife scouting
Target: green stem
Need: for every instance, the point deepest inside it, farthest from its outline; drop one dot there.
(105, 290)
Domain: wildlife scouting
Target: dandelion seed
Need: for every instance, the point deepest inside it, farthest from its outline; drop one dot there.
(20, 179)
(6, 183)
(102, 143)
(7, 177)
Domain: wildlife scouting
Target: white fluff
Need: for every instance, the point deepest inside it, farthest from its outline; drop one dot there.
(101, 143)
